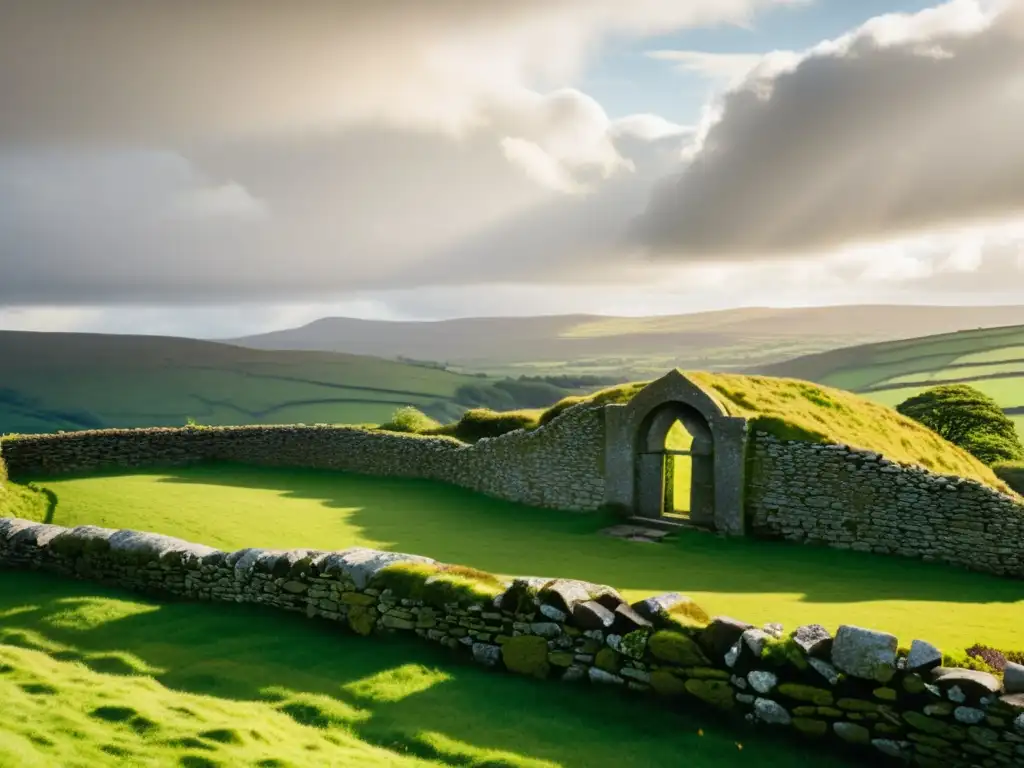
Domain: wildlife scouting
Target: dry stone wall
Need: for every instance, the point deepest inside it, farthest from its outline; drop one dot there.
(559, 465)
(854, 499)
(856, 691)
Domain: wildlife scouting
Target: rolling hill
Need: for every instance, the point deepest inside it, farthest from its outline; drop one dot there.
(70, 381)
(992, 360)
(633, 347)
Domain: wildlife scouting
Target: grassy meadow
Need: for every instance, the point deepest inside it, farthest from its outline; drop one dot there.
(991, 360)
(92, 676)
(232, 507)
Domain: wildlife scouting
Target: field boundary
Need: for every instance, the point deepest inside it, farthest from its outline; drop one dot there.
(857, 691)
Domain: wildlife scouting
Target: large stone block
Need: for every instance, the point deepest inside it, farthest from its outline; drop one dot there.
(865, 653)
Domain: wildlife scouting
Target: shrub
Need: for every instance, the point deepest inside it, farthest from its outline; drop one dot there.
(967, 418)
(410, 419)
(478, 423)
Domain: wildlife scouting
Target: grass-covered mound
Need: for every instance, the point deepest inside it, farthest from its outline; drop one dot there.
(91, 676)
(230, 507)
(789, 409)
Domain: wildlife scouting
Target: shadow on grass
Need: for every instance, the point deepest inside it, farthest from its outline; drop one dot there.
(456, 525)
(395, 693)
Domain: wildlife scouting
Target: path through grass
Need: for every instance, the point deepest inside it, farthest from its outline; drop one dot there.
(91, 676)
(232, 507)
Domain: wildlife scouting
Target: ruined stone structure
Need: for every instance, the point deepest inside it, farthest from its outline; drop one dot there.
(743, 481)
(855, 691)
(635, 453)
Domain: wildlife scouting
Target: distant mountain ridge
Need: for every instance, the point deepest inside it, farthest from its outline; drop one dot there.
(735, 338)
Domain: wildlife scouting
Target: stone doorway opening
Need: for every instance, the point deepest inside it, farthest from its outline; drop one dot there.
(675, 467)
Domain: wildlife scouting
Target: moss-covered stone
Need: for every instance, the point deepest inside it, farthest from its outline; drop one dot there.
(817, 696)
(357, 598)
(676, 648)
(829, 712)
(361, 619)
(885, 693)
(560, 659)
(933, 741)
(527, 655)
(717, 693)
(608, 660)
(913, 684)
(857, 705)
(634, 644)
(804, 711)
(852, 733)
(810, 727)
(666, 684)
(706, 673)
(779, 652)
(934, 727)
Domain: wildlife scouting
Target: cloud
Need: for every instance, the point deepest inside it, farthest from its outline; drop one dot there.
(123, 71)
(910, 123)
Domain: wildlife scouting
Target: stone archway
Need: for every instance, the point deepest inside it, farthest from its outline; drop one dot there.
(635, 454)
(657, 462)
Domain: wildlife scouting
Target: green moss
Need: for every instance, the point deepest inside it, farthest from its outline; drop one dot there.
(685, 616)
(717, 693)
(779, 652)
(885, 693)
(608, 660)
(634, 643)
(934, 727)
(810, 727)
(665, 683)
(707, 673)
(817, 696)
(560, 658)
(676, 648)
(857, 705)
(438, 585)
(362, 618)
(913, 684)
(357, 598)
(527, 655)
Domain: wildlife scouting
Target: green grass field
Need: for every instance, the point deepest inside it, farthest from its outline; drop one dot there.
(91, 676)
(232, 507)
(58, 381)
(991, 360)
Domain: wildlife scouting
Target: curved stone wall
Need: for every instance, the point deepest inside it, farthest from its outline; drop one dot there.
(853, 499)
(855, 691)
(559, 465)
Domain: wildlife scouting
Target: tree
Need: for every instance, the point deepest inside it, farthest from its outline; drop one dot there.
(968, 418)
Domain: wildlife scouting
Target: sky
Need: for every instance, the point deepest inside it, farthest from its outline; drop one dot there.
(215, 169)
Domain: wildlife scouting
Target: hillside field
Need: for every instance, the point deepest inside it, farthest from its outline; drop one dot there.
(991, 360)
(631, 347)
(63, 381)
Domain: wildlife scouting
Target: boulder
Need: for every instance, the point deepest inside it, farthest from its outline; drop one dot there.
(659, 608)
(1013, 678)
(923, 657)
(628, 620)
(865, 653)
(970, 683)
(592, 615)
(813, 639)
(721, 634)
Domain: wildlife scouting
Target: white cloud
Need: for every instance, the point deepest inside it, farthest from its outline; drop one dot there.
(861, 139)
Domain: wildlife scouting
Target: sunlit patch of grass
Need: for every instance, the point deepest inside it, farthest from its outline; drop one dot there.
(298, 693)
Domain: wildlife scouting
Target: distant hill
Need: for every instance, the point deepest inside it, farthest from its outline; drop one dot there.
(736, 339)
(991, 360)
(72, 381)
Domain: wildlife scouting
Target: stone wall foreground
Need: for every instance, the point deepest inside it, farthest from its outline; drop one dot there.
(854, 691)
(557, 466)
(854, 499)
